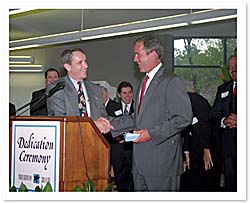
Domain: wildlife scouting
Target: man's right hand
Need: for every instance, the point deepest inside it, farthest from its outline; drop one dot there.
(103, 125)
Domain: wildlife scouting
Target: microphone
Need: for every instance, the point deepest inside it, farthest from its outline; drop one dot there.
(58, 86)
(48, 93)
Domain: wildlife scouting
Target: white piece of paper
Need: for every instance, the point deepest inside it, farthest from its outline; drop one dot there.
(129, 137)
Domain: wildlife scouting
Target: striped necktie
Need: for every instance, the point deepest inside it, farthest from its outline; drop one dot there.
(125, 110)
(81, 101)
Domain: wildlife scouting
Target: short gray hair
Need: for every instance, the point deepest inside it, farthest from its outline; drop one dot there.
(152, 43)
(66, 55)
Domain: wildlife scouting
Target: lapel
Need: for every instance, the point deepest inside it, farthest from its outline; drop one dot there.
(228, 100)
(226, 88)
(120, 107)
(151, 89)
(131, 110)
(93, 98)
(71, 92)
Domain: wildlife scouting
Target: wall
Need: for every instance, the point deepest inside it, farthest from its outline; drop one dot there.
(109, 60)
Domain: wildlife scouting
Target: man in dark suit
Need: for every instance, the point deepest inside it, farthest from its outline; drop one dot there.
(40, 108)
(80, 97)
(162, 111)
(121, 152)
(121, 155)
(224, 115)
(201, 158)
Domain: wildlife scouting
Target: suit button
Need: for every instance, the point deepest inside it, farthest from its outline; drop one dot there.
(172, 141)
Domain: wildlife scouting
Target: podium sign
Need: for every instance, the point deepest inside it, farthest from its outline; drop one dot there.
(35, 153)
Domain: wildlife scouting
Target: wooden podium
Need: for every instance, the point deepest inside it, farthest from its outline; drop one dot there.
(71, 164)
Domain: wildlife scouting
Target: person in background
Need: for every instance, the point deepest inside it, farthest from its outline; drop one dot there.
(224, 115)
(111, 107)
(162, 111)
(79, 97)
(12, 109)
(121, 155)
(40, 108)
(201, 169)
(110, 104)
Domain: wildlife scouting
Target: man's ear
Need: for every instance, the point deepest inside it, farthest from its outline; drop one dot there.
(154, 54)
(67, 66)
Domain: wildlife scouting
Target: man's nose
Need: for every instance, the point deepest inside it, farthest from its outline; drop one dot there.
(135, 58)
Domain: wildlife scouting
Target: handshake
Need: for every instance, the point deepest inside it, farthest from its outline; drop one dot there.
(103, 125)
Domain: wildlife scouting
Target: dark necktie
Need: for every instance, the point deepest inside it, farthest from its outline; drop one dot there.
(142, 92)
(125, 110)
(81, 101)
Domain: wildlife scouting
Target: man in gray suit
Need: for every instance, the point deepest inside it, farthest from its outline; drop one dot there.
(65, 102)
(162, 111)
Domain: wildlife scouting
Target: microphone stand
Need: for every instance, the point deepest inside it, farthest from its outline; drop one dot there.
(33, 103)
(56, 88)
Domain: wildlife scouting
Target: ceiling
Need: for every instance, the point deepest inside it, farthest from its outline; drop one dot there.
(42, 22)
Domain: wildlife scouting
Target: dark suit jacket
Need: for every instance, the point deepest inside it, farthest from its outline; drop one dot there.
(201, 130)
(12, 109)
(111, 107)
(40, 108)
(165, 111)
(131, 110)
(223, 106)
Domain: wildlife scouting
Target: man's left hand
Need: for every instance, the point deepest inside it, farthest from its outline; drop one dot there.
(144, 135)
(208, 162)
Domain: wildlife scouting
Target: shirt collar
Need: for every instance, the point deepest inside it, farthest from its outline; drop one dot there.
(75, 83)
(106, 103)
(152, 73)
(123, 106)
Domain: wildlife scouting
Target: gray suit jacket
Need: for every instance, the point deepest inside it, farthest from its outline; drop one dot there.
(165, 111)
(65, 103)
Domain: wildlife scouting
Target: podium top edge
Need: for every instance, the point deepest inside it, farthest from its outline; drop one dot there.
(50, 118)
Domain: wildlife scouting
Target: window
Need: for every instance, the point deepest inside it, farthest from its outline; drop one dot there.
(199, 61)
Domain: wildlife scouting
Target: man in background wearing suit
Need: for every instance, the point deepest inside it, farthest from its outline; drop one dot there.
(121, 155)
(121, 152)
(162, 111)
(202, 164)
(40, 108)
(80, 97)
(224, 115)
(110, 104)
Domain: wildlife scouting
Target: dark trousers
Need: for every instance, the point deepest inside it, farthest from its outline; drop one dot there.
(230, 171)
(121, 159)
(197, 179)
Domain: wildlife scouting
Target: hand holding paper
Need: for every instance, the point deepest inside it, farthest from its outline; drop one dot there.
(144, 135)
